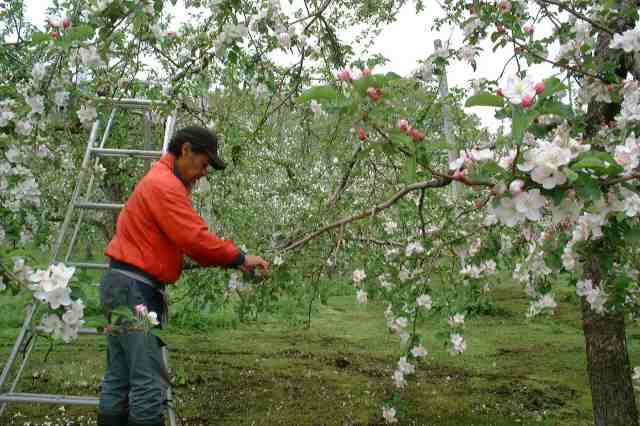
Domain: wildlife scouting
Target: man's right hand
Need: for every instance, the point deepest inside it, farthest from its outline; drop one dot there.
(253, 262)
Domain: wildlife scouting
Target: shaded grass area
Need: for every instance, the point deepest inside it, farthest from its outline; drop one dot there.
(338, 372)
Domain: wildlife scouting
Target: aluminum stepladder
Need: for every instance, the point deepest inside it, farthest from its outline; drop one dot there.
(90, 161)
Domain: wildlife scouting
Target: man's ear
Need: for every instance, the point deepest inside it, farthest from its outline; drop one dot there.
(185, 149)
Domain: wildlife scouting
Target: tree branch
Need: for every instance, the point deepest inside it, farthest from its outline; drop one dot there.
(437, 183)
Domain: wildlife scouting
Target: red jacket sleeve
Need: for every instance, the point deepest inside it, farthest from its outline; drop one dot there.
(176, 217)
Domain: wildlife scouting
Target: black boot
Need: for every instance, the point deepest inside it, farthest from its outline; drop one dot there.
(112, 420)
(160, 422)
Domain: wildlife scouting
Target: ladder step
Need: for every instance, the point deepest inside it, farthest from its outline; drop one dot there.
(98, 206)
(88, 265)
(81, 331)
(41, 398)
(131, 102)
(114, 152)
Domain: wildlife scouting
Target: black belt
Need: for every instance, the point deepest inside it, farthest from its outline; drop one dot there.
(122, 266)
(154, 282)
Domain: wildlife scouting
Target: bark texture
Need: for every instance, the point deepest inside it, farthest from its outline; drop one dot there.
(608, 365)
(612, 394)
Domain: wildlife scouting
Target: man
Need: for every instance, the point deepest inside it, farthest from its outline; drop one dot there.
(156, 228)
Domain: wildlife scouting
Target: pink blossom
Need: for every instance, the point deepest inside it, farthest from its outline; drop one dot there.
(403, 125)
(528, 28)
(55, 23)
(504, 6)
(141, 309)
(416, 135)
(374, 93)
(458, 175)
(527, 101)
(539, 87)
(345, 74)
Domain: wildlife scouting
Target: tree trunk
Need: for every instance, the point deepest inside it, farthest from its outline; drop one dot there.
(608, 366)
(612, 394)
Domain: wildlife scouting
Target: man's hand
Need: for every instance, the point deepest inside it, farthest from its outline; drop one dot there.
(251, 262)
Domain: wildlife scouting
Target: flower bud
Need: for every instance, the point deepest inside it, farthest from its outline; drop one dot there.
(374, 93)
(416, 135)
(528, 29)
(362, 134)
(345, 74)
(55, 34)
(516, 186)
(539, 87)
(499, 92)
(66, 23)
(458, 175)
(403, 125)
(527, 101)
(366, 72)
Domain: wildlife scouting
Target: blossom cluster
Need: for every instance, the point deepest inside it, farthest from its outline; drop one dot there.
(595, 295)
(477, 271)
(51, 287)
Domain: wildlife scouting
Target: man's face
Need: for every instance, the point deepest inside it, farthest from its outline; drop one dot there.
(193, 165)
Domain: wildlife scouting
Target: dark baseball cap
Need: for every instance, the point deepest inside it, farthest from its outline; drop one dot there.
(203, 140)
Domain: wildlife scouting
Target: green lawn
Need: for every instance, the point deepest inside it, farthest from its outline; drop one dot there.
(337, 372)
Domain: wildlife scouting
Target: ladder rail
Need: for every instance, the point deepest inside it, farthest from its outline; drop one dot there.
(31, 310)
(30, 346)
(76, 191)
(87, 195)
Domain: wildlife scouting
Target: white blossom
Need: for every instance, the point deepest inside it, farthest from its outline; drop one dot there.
(414, 248)
(418, 351)
(629, 41)
(361, 297)
(87, 114)
(424, 301)
(405, 366)
(456, 320)
(458, 343)
(358, 275)
(515, 89)
(389, 414)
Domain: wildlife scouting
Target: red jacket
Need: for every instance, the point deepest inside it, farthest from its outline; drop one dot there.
(158, 226)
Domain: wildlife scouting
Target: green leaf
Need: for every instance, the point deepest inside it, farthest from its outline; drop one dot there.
(410, 169)
(399, 138)
(551, 86)
(587, 187)
(40, 37)
(520, 121)
(571, 175)
(557, 195)
(319, 93)
(555, 108)
(602, 163)
(79, 33)
(485, 99)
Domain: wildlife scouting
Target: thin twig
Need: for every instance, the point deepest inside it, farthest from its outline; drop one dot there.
(437, 183)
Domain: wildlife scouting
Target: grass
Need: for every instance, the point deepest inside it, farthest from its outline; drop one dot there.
(338, 372)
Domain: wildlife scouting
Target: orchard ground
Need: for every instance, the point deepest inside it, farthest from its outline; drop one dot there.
(337, 372)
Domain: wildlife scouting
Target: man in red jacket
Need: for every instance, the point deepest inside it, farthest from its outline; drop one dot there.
(156, 229)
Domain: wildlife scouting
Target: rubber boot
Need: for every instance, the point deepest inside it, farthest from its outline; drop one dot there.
(112, 420)
(160, 422)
